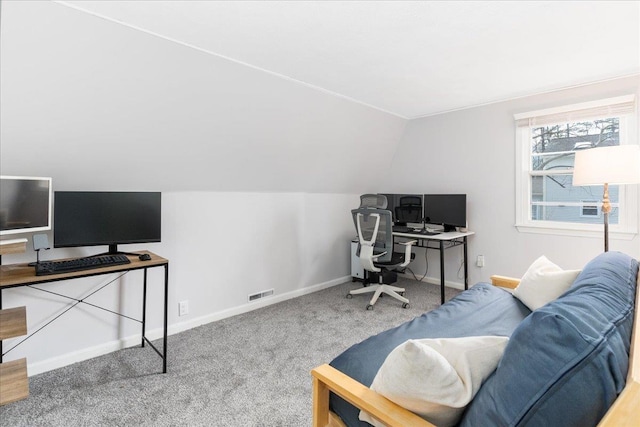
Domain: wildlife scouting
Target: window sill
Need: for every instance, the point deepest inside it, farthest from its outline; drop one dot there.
(559, 230)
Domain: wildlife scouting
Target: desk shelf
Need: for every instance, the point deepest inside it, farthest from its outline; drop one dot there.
(14, 246)
(14, 382)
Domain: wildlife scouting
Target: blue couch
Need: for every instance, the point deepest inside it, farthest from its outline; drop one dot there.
(565, 363)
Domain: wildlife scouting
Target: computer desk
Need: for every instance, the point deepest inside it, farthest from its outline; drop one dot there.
(17, 275)
(445, 241)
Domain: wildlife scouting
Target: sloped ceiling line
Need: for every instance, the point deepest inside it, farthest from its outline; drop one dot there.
(407, 58)
(227, 58)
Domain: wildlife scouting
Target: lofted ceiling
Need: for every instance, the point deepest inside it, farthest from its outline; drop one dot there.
(407, 58)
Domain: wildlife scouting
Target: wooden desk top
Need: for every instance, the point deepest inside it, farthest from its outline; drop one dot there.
(12, 275)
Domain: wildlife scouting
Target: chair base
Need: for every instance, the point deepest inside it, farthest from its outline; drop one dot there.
(378, 290)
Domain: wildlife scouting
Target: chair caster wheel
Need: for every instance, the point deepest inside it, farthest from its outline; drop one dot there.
(405, 305)
(369, 307)
(349, 296)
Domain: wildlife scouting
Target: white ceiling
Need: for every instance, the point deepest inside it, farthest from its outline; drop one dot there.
(407, 58)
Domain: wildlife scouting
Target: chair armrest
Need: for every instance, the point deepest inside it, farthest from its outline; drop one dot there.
(504, 281)
(326, 378)
(407, 252)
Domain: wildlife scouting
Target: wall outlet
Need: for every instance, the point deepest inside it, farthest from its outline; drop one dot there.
(480, 261)
(183, 308)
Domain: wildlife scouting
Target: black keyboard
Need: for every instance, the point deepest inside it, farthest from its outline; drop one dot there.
(67, 266)
(402, 229)
(409, 230)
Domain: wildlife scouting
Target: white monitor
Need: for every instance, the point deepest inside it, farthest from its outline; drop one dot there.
(25, 204)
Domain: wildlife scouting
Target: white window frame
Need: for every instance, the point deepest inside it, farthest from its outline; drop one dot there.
(627, 227)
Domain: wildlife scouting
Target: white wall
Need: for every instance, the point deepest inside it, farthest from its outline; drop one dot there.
(221, 247)
(258, 173)
(98, 105)
(473, 152)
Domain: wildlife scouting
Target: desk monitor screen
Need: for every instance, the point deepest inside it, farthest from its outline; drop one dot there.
(390, 202)
(405, 208)
(85, 218)
(449, 210)
(25, 204)
(408, 209)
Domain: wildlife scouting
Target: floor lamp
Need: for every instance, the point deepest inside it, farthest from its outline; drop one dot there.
(618, 164)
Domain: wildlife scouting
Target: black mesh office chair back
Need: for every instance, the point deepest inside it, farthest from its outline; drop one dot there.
(409, 209)
(410, 201)
(375, 203)
(372, 220)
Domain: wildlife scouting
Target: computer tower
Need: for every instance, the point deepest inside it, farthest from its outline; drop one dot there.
(357, 271)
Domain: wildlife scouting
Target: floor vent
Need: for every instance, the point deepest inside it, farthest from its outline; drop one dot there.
(259, 295)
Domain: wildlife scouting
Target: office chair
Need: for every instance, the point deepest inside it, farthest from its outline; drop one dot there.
(375, 247)
(409, 209)
(410, 201)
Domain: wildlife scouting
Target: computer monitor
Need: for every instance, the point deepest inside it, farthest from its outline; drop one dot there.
(390, 202)
(25, 204)
(86, 218)
(405, 208)
(448, 210)
(408, 209)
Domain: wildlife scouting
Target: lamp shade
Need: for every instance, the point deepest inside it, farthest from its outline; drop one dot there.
(618, 164)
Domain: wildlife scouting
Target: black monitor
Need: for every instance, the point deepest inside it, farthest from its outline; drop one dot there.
(390, 202)
(405, 208)
(25, 204)
(408, 209)
(94, 218)
(449, 210)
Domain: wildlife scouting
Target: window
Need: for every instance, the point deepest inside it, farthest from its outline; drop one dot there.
(546, 144)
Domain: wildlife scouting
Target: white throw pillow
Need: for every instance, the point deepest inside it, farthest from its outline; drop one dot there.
(543, 282)
(437, 378)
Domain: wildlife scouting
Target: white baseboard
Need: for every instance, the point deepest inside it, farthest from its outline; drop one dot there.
(109, 347)
(435, 281)
(84, 354)
(263, 302)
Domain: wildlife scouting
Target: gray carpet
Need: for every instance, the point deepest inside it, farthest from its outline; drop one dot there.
(247, 370)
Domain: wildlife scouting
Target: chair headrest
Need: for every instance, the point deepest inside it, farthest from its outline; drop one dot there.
(377, 201)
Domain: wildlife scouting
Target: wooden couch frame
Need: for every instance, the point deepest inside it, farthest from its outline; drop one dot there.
(625, 411)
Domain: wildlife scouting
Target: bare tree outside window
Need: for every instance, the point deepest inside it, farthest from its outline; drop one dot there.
(553, 197)
(546, 143)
